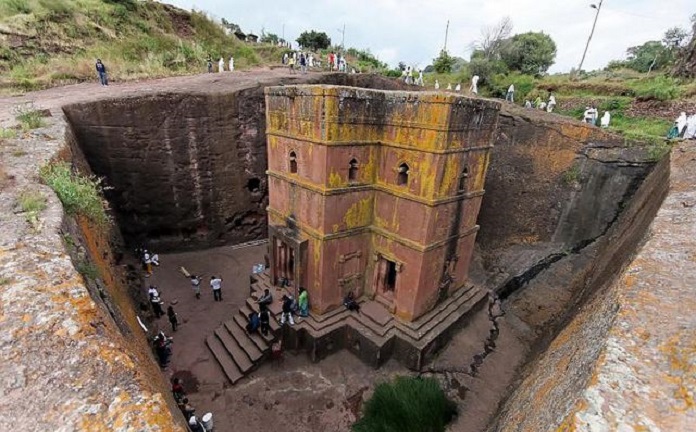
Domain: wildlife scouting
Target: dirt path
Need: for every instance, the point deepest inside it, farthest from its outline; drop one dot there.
(54, 98)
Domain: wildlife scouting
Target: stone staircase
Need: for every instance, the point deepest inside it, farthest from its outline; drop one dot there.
(373, 334)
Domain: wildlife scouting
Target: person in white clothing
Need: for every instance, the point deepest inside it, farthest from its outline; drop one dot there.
(690, 132)
(552, 104)
(231, 64)
(605, 119)
(474, 84)
(216, 285)
(449, 86)
(221, 65)
(681, 123)
(458, 88)
(437, 85)
(510, 96)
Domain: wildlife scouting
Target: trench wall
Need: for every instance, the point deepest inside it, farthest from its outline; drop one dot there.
(187, 169)
(553, 383)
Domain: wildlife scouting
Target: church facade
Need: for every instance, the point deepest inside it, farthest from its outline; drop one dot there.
(375, 193)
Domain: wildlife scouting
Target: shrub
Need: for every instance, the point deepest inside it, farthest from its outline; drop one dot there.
(6, 133)
(32, 203)
(661, 89)
(29, 117)
(13, 7)
(79, 194)
(407, 404)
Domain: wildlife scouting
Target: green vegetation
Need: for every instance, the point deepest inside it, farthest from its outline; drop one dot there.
(134, 39)
(88, 270)
(32, 203)
(7, 133)
(407, 404)
(443, 63)
(79, 194)
(529, 53)
(29, 117)
(572, 175)
(314, 40)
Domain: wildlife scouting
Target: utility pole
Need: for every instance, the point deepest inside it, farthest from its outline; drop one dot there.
(283, 36)
(343, 36)
(446, 34)
(599, 8)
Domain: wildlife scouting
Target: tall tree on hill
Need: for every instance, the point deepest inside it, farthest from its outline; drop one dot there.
(314, 40)
(493, 39)
(530, 53)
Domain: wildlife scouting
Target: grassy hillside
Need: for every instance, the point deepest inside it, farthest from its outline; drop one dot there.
(642, 106)
(45, 43)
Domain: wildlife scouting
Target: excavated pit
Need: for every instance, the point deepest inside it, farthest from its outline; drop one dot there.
(565, 208)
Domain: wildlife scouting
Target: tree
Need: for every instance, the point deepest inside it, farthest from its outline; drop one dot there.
(314, 40)
(493, 38)
(269, 38)
(443, 63)
(675, 37)
(233, 28)
(530, 53)
(651, 55)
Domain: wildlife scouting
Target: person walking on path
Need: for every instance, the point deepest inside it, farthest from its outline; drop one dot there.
(303, 63)
(173, 318)
(510, 96)
(147, 263)
(264, 319)
(155, 301)
(303, 300)
(101, 71)
(291, 63)
(221, 65)
(231, 64)
(209, 61)
(216, 285)
(196, 285)
(287, 311)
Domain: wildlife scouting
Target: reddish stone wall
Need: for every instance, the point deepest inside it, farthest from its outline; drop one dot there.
(417, 225)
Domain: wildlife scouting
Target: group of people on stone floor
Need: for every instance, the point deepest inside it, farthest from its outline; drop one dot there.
(591, 115)
(684, 127)
(304, 60)
(202, 424)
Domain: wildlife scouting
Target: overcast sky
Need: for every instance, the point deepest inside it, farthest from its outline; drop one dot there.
(414, 30)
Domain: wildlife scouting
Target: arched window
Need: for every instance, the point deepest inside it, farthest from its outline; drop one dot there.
(463, 178)
(293, 162)
(353, 170)
(402, 178)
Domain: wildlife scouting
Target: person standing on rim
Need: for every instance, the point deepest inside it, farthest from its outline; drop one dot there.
(216, 285)
(101, 71)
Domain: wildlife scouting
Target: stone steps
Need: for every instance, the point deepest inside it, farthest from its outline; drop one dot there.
(244, 340)
(236, 352)
(275, 327)
(256, 338)
(229, 367)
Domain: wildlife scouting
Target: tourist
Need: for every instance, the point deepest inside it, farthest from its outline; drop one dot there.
(195, 425)
(303, 63)
(552, 103)
(681, 124)
(350, 303)
(254, 323)
(474, 84)
(264, 319)
(266, 298)
(437, 85)
(173, 318)
(147, 263)
(690, 131)
(288, 304)
(291, 64)
(178, 390)
(510, 96)
(101, 71)
(221, 65)
(156, 302)
(605, 119)
(209, 61)
(419, 81)
(186, 408)
(196, 285)
(231, 64)
(216, 285)
(303, 301)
